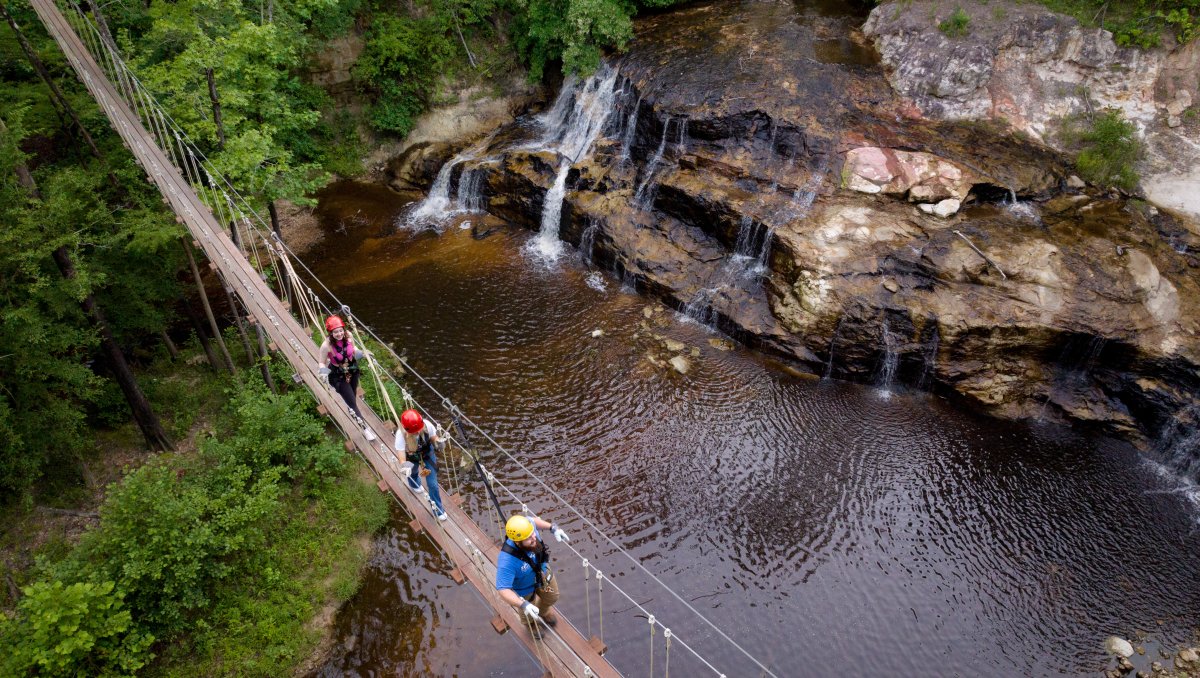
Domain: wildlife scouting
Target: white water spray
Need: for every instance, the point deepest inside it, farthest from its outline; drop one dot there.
(572, 126)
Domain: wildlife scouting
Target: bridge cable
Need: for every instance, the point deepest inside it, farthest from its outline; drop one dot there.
(285, 249)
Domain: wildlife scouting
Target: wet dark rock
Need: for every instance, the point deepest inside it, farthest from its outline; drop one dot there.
(416, 167)
(1087, 311)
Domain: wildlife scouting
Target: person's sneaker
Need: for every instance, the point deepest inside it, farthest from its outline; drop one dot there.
(441, 515)
(417, 490)
(369, 434)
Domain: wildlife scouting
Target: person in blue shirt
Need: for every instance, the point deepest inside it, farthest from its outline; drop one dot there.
(523, 576)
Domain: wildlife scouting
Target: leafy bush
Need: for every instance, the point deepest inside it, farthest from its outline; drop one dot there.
(400, 63)
(956, 26)
(1110, 148)
(1135, 23)
(169, 536)
(278, 430)
(77, 629)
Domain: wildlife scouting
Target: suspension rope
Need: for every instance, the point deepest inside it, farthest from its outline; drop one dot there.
(285, 254)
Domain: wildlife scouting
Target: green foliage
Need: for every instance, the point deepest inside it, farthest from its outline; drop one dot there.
(957, 25)
(1109, 148)
(1135, 23)
(401, 61)
(278, 430)
(83, 628)
(169, 536)
(124, 251)
(268, 114)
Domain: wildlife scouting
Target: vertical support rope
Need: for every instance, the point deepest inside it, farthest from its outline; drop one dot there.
(600, 599)
(652, 622)
(587, 594)
(667, 641)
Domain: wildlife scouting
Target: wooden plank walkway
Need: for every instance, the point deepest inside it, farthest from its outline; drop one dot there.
(566, 653)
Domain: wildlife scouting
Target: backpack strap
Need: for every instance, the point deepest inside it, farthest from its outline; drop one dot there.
(540, 558)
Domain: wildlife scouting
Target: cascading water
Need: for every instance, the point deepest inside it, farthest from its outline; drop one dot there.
(433, 211)
(587, 241)
(470, 194)
(837, 330)
(751, 249)
(641, 197)
(930, 358)
(630, 130)
(436, 205)
(571, 127)
(891, 357)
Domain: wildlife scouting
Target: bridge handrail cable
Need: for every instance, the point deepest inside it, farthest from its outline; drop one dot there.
(167, 126)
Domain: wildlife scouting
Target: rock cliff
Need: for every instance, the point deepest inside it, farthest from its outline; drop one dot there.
(1025, 67)
(759, 173)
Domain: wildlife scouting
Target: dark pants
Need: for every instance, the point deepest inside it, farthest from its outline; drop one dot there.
(346, 384)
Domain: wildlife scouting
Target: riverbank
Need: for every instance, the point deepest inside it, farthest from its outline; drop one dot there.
(228, 556)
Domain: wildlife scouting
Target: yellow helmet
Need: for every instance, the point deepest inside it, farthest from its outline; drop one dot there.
(518, 528)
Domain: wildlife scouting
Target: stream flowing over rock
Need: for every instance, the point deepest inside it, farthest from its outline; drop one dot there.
(757, 172)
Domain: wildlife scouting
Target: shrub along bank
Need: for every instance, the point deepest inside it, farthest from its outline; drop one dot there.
(207, 562)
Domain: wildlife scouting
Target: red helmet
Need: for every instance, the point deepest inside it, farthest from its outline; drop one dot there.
(411, 421)
(333, 322)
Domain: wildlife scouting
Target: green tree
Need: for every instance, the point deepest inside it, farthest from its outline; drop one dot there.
(69, 630)
(574, 31)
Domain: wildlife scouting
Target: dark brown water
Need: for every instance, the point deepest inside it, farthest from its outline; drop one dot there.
(829, 528)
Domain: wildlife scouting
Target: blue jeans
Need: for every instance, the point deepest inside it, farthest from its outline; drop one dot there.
(430, 480)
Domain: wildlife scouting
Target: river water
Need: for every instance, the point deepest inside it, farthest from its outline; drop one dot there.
(828, 528)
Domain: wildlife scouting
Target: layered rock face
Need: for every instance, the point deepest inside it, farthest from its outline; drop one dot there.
(758, 173)
(1024, 66)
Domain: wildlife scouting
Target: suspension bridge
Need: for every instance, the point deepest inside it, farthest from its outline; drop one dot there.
(248, 256)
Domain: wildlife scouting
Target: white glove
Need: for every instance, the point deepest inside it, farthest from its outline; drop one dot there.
(324, 374)
(530, 611)
(559, 533)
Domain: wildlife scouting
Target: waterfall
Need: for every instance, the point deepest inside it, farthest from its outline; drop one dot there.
(547, 244)
(587, 241)
(630, 131)
(751, 249)
(1178, 453)
(700, 308)
(470, 195)
(436, 205)
(930, 358)
(640, 198)
(571, 127)
(891, 357)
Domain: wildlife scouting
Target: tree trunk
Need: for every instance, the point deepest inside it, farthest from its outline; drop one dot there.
(143, 413)
(284, 283)
(216, 106)
(262, 349)
(56, 95)
(198, 328)
(171, 347)
(241, 324)
(212, 321)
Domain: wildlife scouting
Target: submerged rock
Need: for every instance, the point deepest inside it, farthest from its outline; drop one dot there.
(680, 364)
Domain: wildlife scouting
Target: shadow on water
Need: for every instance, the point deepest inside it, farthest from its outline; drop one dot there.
(822, 525)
